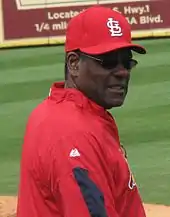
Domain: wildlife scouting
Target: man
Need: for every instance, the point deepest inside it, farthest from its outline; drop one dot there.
(72, 161)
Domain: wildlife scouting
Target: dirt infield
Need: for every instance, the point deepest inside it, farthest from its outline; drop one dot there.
(8, 206)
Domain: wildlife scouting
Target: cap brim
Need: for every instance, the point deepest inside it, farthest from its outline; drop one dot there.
(107, 47)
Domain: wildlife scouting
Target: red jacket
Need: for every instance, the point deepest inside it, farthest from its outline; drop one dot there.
(72, 163)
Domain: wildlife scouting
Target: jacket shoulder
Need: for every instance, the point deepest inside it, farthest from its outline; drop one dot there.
(60, 118)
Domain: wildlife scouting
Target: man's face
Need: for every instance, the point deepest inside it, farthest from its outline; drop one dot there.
(105, 78)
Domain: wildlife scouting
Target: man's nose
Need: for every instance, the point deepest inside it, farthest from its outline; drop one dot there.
(122, 71)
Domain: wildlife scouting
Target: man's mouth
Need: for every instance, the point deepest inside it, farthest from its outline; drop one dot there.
(117, 87)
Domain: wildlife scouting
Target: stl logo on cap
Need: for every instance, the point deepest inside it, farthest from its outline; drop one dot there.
(114, 27)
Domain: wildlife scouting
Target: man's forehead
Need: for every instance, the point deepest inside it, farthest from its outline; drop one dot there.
(121, 52)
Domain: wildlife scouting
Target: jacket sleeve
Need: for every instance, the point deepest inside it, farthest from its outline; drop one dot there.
(80, 179)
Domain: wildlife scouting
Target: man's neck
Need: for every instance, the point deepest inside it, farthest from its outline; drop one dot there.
(69, 84)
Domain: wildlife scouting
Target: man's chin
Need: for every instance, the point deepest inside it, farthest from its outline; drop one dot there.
(114, 103)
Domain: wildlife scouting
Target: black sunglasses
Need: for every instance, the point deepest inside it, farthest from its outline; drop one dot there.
(110, 62)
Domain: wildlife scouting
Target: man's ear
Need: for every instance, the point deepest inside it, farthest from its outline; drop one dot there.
(73, 63)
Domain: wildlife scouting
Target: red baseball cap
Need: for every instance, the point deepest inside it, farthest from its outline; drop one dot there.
(98, 30)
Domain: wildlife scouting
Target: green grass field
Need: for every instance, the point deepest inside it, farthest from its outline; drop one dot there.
(144, 120)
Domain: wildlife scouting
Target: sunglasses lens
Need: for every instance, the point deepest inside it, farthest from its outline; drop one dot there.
(112, 63)
(129, 64)
(109, 63)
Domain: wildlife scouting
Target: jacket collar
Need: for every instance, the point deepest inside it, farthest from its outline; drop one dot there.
(59, 94)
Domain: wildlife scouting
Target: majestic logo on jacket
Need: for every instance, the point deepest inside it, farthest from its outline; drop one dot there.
(132, 182)
(74, 153)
